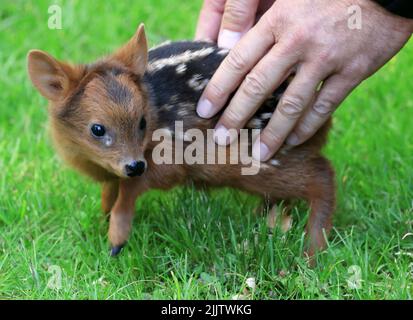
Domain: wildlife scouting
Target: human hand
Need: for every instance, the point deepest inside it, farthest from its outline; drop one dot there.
(226, 21)
(312, 38)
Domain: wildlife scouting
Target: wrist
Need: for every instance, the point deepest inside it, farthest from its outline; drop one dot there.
(393, 21)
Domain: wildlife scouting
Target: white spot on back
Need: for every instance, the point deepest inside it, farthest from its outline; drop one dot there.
(265, 116)
(182, 112)
(254, 123)
(181, 68)
(187, 105)
(223, 52)
(167, 107)
(185, 57)
(284, 150)
(275, 162)
(174, 98)
(197, 82)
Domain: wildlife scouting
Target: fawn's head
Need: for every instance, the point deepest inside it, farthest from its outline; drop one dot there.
(99, 113)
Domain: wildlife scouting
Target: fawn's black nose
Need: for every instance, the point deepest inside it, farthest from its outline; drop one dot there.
(135, 168)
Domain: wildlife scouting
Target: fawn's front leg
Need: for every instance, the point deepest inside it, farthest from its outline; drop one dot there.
(110, 190)
(122, 213)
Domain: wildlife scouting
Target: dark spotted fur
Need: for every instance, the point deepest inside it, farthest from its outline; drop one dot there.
(169, 91)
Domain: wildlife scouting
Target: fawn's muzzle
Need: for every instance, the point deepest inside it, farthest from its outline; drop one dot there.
(135, 168)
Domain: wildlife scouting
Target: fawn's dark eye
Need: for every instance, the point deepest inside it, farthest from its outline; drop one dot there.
(98, 130)
(142, 124)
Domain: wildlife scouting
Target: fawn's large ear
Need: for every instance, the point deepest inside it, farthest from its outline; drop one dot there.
(52, 78)
(134, 54)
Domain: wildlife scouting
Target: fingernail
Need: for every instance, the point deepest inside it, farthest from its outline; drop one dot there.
(292, 140)
(228, 39)
(260, 151)
(221, 136)
(204, 108)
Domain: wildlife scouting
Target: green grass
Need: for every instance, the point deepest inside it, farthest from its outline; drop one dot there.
(187, 244)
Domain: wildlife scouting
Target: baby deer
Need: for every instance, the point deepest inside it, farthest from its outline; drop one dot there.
(104, 117)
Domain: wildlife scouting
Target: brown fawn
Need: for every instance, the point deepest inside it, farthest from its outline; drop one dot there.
(103, 116)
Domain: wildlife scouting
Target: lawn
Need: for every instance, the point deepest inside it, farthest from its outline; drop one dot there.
(188, 244)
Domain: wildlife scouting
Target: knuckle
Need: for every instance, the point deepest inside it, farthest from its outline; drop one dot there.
(323, 108)
(271, 24)
(305, 129)
(236, 13)
(215, 93)
(276, 20)
(294, 41)
(326, 57)
(359, 67)
(292, 107)
(271, 138)
(236, 61)
(300, 35)
(216, 5)
(232, 118)
(254, 85)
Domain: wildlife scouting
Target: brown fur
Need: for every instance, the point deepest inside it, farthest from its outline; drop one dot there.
(79, 95)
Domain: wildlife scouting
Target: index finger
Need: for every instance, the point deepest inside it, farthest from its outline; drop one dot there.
(240, 60)
(289, 110)
(209, 21)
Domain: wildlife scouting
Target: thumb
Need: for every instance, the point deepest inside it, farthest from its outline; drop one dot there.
(238, 18)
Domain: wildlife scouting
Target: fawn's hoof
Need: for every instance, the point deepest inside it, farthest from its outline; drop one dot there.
(114, 251)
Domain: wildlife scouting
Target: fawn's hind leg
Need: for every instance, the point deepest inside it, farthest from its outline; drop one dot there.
(121, 216)
(280, 213)
(321, 197)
